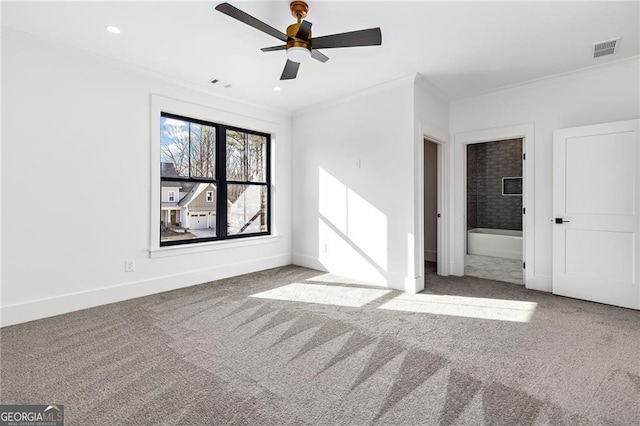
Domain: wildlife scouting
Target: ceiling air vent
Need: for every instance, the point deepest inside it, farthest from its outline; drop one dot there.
(217, 82)
(603, 48)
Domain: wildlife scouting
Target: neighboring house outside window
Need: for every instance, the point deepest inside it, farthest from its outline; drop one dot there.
(216, 180)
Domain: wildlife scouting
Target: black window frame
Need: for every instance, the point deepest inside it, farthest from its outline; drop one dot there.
(220, 181)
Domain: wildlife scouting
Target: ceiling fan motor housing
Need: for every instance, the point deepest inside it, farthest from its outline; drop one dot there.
(298, 50)
(292, 41)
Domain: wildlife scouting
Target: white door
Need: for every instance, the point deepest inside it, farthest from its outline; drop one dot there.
(197, 221)
(596, 200)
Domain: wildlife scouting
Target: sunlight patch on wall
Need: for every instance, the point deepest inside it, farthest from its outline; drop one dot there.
(341, 256)
(332, 200)
(460, 306)
(323, 294)
(367, 228)
(351, 231)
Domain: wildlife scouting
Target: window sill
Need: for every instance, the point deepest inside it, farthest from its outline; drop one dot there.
(169, 251)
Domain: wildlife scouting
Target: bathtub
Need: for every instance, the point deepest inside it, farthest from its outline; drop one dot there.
(495, 242)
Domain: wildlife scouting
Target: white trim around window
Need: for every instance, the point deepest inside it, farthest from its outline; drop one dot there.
(161, 104)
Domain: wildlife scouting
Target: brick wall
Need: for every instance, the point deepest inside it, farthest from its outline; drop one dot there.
(487, 164)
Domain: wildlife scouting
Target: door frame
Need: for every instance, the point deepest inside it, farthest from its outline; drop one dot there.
(443, 257)
(526, 133)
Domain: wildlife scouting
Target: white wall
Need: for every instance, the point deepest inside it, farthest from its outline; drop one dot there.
(597, 95)
(355, 183)
(80, 125)
(355, 220)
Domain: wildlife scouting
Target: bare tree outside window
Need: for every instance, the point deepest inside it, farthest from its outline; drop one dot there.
(174, 144)
(189, 146)
(246, 157)
(202, 151)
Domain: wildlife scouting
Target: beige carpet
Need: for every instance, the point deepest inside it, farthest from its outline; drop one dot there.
(295, 346)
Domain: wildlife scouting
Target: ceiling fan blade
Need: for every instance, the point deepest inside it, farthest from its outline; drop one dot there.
(241, 16)
(304, 31)
(370, 37)
(274, 48)
(319, 56)
(290, 70)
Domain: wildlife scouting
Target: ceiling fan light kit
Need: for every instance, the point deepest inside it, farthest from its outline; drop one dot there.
(299, 42)
(298, 54)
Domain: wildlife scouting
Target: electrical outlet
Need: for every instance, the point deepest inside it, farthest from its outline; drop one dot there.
(129, 265)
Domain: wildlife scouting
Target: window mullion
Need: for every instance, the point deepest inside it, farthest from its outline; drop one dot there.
(189, 150)
(221, 172)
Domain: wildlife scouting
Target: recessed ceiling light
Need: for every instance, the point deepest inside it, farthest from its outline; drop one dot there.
(277, 89)
(114, 30)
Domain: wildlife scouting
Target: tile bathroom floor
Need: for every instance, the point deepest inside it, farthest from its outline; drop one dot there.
(494, 268)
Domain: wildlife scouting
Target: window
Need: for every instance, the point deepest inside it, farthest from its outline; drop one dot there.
(247, 188)
(222, 174)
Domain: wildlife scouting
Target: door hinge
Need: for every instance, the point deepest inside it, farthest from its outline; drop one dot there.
(524, 156)
(524, 265)
(524, 210)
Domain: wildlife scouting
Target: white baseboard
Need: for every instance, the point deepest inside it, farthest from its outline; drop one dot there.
(308, 262)
(392, 281)
(43, 308)
(414, 285)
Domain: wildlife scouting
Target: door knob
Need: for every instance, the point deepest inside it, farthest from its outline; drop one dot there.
(561, 220)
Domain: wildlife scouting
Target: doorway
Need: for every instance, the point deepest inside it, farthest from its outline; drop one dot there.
(494, 210)
(526, 133)
(431, 212)
(433, 253)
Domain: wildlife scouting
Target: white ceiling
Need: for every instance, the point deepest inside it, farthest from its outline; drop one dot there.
(462, 47)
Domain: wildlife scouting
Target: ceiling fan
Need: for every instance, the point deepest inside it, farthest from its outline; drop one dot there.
(300, 45)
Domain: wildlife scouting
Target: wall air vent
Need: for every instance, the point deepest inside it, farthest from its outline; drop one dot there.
(603, 48)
